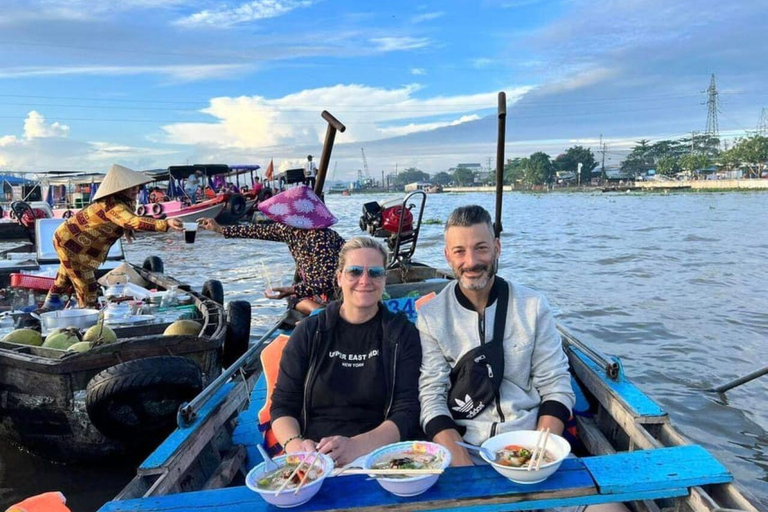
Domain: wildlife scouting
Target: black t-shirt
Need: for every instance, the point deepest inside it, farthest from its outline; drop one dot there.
(349, 395)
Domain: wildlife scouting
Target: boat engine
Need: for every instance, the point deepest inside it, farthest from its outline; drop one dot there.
(394, 221)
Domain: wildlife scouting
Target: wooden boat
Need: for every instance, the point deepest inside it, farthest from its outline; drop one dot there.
(118, 398)
(632, 453)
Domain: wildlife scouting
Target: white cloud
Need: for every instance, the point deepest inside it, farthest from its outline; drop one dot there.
(180, 73)
(418, 71)
(369, 113)
(481, 63)
(35, 127)
(392, 44)
(224, 17)
(427, 16)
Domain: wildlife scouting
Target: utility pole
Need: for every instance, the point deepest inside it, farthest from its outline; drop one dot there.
(693, 142)
(762, 125)
(713, 129)
(602, 150)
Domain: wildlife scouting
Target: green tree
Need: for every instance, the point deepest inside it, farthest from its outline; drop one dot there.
(751, 152)
(514, 170)
(668, 165)
(410, 175)
(691, 163)
(573, 156)
(464, 176)
(442, 178)
(540, 169)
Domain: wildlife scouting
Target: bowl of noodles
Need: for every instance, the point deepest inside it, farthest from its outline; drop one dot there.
(408, 455)
(278, 486)
(514, 452)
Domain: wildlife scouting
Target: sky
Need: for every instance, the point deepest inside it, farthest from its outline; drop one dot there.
(153, 83)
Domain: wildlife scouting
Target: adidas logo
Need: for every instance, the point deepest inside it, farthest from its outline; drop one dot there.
(467, 406)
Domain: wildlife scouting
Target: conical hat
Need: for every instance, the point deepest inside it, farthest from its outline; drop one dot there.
(120, 178)
(298, 207)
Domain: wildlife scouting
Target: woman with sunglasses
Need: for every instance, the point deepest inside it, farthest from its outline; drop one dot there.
(348, 380)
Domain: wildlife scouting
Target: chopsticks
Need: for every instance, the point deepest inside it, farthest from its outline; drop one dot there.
(406, 472)
(539, 451)
(306, 473)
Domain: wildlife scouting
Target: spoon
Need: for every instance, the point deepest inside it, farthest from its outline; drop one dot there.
(482, 451)
(269, 464)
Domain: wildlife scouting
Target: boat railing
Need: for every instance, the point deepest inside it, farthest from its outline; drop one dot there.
(611, 365)
(188, 412)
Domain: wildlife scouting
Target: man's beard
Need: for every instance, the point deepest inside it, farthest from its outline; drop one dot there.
(478, 283)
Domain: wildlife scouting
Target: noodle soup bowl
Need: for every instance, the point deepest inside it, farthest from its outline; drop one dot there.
(287, 497)
(410, 485)
(557, 447)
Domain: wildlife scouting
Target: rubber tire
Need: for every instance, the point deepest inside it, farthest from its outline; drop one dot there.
(157, 209)
(67, 214)
(265, 194)
(214, 291)
(238, 331)
(141, 210)
(138, 400)
(236, 205)
(154, 264)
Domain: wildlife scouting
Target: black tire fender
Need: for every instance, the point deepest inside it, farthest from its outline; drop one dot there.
(236, 205)
(265, 194)
(157, 209)
(154, 264)
(138, 400)
(213, 290)
(141, 210)
(238, 331)
(67, 214)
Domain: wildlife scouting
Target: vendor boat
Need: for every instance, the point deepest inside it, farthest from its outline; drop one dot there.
(116, 398)
(630, 450)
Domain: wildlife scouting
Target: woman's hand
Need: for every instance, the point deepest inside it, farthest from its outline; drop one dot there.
(301, 445)
(280, 292)
(209, 224)
(342, 450)
(129, 236)
(175, 223)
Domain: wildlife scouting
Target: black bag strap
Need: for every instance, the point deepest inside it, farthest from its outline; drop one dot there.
(500, 318)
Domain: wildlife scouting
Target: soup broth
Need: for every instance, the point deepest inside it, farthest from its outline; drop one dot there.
(519, 456)
(273, 480)
(409, 459)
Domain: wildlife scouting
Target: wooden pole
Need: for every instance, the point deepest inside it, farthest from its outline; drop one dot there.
(500, 161)
(741, 380)
(330, 135)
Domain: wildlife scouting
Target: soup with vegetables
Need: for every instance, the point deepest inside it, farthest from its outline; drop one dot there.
(273, 480)
(519, 456)
(412, 458)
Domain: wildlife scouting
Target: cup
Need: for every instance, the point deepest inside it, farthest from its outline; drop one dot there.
(190, 231)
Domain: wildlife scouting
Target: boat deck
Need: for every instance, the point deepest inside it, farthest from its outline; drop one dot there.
(628, 476)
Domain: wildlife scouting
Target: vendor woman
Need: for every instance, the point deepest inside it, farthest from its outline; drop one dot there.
(82, 242)
(301, 221)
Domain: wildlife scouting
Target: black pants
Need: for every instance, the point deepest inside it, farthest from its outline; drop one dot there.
(310, 182)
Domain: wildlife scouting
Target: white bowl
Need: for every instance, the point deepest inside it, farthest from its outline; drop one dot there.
(556, 445)
(287, 498)
(410, 486)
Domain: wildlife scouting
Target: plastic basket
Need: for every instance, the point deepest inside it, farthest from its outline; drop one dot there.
(31, 282)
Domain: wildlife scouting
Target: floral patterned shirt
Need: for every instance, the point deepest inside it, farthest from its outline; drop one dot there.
(315, 251)
(88, 234)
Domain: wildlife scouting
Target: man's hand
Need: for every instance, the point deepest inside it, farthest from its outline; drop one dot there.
(459, 454)
(129, 236)
(209, 224)
(175, 223)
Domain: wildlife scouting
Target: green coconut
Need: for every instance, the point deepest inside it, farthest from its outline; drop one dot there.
(24, 337)
(100, 334)
(72, 330)
(62, 340)
(80, 346)
(183, 328)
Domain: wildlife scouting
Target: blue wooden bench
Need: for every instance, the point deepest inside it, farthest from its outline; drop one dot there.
(629, 476)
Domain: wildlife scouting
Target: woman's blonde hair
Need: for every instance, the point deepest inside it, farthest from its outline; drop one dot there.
(360, 242)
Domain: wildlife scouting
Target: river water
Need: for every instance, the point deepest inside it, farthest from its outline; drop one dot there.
(676, 285)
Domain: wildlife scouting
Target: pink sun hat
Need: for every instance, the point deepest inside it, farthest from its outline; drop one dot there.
(298, 207)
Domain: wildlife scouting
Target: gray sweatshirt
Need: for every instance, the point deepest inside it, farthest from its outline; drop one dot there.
(535, 365)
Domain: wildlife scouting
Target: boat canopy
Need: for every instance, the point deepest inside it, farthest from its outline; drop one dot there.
(185, 171)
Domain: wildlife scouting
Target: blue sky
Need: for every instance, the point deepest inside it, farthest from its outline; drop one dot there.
(151, 83)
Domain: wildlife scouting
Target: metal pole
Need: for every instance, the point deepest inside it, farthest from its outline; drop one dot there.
(330, 135)
(741, 380)
(500, 161)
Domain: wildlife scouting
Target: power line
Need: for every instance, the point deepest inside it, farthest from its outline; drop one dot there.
(712, 129)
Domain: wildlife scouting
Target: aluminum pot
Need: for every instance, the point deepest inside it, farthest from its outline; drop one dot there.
(80, 318)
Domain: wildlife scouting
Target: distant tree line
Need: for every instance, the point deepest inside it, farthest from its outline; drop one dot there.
(667, 157)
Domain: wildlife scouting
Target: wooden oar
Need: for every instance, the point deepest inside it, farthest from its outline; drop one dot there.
(741, 380)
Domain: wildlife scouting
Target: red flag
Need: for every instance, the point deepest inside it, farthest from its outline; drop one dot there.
(268, 176)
